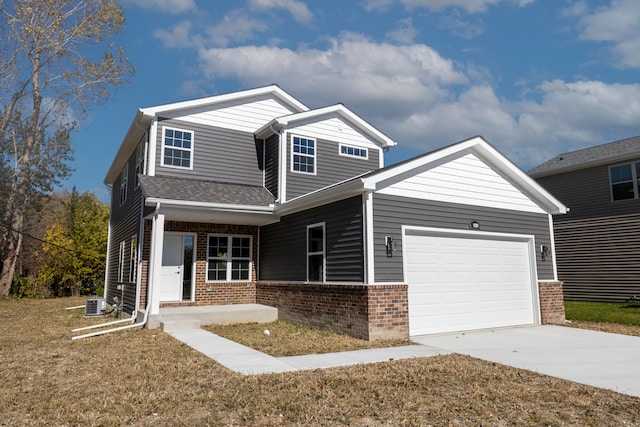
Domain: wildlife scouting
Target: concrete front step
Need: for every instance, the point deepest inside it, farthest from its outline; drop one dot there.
(179, 325)
(217, 315)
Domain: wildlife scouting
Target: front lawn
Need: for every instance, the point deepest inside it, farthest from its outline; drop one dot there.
(143, 377)
(620, 318)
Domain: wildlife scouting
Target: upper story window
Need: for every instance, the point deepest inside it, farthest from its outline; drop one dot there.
(177, 148)
(228, 258)
(303, 155)
(351, 151)
(140, 161)
(624, 181)
(124, 183)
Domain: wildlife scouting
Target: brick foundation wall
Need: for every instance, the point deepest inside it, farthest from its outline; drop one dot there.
(368, 312)
(551, 303)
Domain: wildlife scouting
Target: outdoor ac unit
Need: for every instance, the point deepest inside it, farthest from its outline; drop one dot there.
(95, 307)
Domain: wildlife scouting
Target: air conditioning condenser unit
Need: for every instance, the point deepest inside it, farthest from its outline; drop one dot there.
(95, 307)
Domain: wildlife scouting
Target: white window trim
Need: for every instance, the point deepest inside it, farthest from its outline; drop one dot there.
(230, 259)
(315, 155)
(124, 184)
(353, 156)
(133, 259)
(634, 181)
(323, 252)
(121, 256)
(190, 150)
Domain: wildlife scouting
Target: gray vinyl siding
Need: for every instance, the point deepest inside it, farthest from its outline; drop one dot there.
(124, 223)
(222, 155)
(283, 246)
(271, 162)
(390, 213)
(599, 258)
(331, 167)
(587, 193)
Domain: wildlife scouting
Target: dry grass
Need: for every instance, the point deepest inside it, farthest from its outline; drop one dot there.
(287, 339)
(146, 378)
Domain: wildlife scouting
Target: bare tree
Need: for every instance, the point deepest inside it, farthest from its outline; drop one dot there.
(56, 61)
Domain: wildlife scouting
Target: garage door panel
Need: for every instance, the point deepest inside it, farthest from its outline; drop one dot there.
(457, 283)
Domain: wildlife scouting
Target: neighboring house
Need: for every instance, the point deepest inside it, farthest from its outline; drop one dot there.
(252, 197)
(598, 255)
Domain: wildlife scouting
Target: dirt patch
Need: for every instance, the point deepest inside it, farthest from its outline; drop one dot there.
(614, 328)
(146, 378)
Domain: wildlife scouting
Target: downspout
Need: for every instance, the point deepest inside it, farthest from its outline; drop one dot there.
(133, 318)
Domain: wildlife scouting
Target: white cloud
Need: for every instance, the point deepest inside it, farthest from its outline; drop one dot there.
(234, 27)
(470, 6)
(619, 25)
(297, 9)
(178, 36)
(405, 33)
(166, 6)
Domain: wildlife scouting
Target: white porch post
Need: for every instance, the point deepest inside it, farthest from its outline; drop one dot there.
(155, 264)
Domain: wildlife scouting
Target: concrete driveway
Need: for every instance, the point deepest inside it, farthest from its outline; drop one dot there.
(594, 358)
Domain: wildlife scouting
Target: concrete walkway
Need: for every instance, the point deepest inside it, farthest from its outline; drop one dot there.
(248, 361)
(599, 359)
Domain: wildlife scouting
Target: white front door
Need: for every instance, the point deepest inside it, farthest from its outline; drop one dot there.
(172, 265)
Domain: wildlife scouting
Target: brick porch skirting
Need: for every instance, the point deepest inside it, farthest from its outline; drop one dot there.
(369, 312)
(551, 302)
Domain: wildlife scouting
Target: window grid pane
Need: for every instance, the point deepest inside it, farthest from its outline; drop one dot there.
(177, 148)
(223, 265)
(304, 155)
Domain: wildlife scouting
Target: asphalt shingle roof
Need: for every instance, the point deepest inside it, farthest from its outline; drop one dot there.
(612, 151)
(205, 191)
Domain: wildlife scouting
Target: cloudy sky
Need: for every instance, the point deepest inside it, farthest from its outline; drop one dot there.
(534, 77)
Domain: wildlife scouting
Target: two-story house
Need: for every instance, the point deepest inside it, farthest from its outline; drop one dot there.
(597, 255)
(252, 197)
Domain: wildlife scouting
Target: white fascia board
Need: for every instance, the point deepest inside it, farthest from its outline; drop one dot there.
(129, 143)
(483, 149)
(153, 201)
(338, 109)
(233, 96)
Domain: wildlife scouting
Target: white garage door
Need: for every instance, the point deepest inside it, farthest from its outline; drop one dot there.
(459, 283)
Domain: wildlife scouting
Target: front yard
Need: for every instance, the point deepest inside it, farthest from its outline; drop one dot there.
(146, 378)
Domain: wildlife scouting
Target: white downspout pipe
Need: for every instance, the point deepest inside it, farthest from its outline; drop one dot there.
(134, 325)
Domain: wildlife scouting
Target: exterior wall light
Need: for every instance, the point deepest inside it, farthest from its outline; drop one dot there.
(474, 225)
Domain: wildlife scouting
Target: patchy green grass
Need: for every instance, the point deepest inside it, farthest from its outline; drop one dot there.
(287, 339)
(622, 313)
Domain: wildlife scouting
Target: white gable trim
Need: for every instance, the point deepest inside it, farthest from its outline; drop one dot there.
(340, 110)
(483, 150)
(233, 96)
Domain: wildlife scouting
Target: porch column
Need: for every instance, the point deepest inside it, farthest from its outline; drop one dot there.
(155, 263)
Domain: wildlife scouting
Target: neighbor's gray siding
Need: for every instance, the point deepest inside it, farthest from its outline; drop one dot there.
(587, 194)
(331, 168)
(597, 241)
(271, 162)
(222, 155)
(124, 223)
(283, 246)
(390, 213)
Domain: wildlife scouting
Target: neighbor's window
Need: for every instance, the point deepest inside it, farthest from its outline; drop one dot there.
(124, 183)
(177, 148)
(228, 258)
(303, 155)
(315, 253)
(624, 181)
(351, 151)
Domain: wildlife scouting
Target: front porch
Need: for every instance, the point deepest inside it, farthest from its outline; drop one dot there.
(175, 318)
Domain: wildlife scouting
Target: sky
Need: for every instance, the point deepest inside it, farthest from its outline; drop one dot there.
(535, 78)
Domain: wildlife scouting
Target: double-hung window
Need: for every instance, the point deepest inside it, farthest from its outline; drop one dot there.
(121, 255)
(228, 258)
(177, 148)
(303, 155)
(140, 162)
(624, 181)
(315, 253)
(133, 259)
